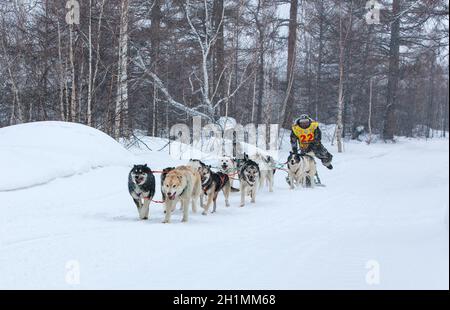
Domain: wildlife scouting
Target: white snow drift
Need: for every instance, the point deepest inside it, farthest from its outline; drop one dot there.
(36, 153)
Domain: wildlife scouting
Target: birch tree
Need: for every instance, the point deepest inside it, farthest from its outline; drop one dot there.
(343, 38)
(121, 111)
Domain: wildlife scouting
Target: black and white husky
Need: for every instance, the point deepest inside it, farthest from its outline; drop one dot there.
(212, 184)
(141, 185)
(301, 170)
(249, 177)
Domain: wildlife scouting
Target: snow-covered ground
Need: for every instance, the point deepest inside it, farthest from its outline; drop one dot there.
(381, 222)
(36, 153)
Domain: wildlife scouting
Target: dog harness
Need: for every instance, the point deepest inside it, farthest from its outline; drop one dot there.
(221, 179)
(305, 135)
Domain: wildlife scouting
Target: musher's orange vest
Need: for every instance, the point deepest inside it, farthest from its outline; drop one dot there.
(305, 136)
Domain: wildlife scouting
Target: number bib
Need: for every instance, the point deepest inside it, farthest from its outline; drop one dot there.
(305, 136)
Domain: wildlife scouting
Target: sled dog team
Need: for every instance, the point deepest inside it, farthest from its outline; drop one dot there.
(196, 182)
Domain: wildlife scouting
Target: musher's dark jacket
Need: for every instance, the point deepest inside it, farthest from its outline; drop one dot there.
(309, 140)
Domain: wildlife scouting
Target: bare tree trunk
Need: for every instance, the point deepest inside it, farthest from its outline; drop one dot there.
(431, 108)
(62, 76)
(219, 50)
(318, 93)
(97, 59)
(390, 122)
(80, 86)
(292, 41)
(155, 43)
(121, 115)
(254, 98)
(73, 97)
(369, 121)
(236, 45)
(261, 76)
(342, 46)
(16, 97)
(89, 95)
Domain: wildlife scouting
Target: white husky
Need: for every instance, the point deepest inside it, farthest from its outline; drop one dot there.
(228, 166)
(267, 168)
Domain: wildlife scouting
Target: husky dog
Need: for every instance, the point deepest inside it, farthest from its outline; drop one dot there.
(212, 184)
(163, 177)
(238, 162)
(267, 168)
(181, 184)
(301, 169)
(249, 176)
(228, 165)
(141, 186)
(196, 164)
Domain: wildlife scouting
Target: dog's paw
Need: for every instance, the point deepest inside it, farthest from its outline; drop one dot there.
(184, 221)
(166, 222)
(242, 205)
(204, 213)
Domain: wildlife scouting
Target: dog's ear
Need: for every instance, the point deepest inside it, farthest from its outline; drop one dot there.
(145, 166)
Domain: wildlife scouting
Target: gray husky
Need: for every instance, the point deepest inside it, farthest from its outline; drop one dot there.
(141, 185)
(249, 177)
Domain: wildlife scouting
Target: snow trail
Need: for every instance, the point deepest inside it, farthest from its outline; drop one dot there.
(382, 203)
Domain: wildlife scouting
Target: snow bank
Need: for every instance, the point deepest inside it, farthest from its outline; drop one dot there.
(36, 153)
